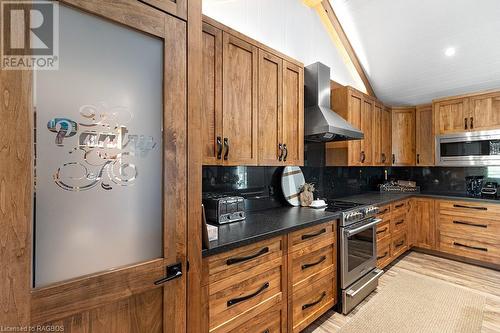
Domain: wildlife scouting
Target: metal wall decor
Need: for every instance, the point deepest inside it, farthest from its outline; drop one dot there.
(102, 149)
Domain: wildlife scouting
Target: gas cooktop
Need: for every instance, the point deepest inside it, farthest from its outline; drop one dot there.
(339, 206)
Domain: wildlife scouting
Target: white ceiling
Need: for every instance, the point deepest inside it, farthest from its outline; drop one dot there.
(401, 45)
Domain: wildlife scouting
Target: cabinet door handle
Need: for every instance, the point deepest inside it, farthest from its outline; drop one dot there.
(382, 256)
(286, 152)
(470, 207)
(418, 158)
(244, 298)
(381, 231)
(399, 243)
(280, 147)
(465, 123)
(306, 266)
(363, 157)
(400, 222)
(305, 306)
(393, 158)
(471, 122)
(226, 144)
(471, 247)
(307, 236)
(399, 205)
(232, 261)
(219, 148)
(267, 331)
(384, 158)
(471, 224)
(384, 211)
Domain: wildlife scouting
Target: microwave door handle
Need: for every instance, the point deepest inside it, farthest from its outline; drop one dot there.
(349, 233)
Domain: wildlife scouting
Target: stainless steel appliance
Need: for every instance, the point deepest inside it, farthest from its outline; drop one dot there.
(358, 252)
(321, 124)
(490, 190)
(223, 209)
(468, 149)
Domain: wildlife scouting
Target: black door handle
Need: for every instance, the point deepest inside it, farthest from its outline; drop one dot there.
(173, 272)
(244, 298)
(232, 261)
(465, 123)
(399, 243)
(384, 158)
(471, 122)
(219, 148)
(470, 207)
(305, 306)
(286, 152)
(418, 158)
(382, 256)
(322, 231)
(306, 266)
(471, 224)
(226, 144)
(393, 158)
(381, 230)
(471, 247)
(280, 156)
(363, 157)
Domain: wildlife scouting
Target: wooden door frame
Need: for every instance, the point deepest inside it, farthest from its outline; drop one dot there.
(24, 305)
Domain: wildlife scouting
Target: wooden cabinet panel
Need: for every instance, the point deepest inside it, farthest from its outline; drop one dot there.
(239, 101)
(399, 244)
(399, 222)
(403, 136)
(485, 112)
(355, 110)
(211, 121)
(386, 136)
(478, 228)
(384, 229)
(424, 139)
(175, 7)
(470, 247)
(400, 207)
(270, 109)
(303, 240)
(469, 209)
(293, 113)
(424, 226)
(269, 321)
(452, 115)
(383, 253)
(377, 134)
(367, 128)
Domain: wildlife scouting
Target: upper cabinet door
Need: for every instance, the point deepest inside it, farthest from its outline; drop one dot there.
(485, 112)
(386, 129)
(355, 109)
(175, 7)
(453, 115)
(293, 113)
(270, 109)
(367, 129)
(424, 135)
(239, 110)
(377, 135)
(211, 122)
(403, 136)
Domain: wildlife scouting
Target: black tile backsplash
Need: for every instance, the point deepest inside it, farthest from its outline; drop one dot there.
(261, 185)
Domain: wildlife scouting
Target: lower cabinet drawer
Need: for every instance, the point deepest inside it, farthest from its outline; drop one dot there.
(312, 301)
(384, 229)
(399, 244)
(303, 266)
(383, 253)
(232, 301)
(482, 229)
(398, 223)
(470, 247)
(400, 208)
(269, 321)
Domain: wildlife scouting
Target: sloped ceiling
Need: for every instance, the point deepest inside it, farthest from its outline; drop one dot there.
(401, 45)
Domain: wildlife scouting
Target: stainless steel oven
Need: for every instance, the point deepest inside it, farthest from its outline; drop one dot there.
(468, 149)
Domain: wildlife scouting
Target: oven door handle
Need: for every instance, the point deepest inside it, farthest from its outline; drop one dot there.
(350, 232)
(378, 273)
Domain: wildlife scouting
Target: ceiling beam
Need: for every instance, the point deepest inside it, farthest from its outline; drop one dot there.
(339, 38)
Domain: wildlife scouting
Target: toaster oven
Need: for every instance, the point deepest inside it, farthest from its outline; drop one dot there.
(222, 209)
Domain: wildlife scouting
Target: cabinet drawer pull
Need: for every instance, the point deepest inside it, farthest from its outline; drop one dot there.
(307, 236)
(381, 230)
(471, 247)
(244, 298)
(383, 256)
(399, 222)
(267, 331)
(399, 205)
(232, 261)
(471, 224)
(384, 211)
(306, 266)
(399, 243)
(469, 207)
(305, 306)
(219, 148)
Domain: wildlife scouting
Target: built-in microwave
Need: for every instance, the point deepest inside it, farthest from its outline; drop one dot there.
(468, 149)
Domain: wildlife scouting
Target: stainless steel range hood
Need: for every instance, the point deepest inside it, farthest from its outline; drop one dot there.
(321, 124)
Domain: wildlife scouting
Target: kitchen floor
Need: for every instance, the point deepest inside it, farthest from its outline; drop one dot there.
(476, 279)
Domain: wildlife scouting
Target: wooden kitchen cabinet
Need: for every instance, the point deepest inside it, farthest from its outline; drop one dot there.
(252, 101)
(377, 134)
(424, 135)
(423, 226)
(484, 112)
(386, 136)
(403, 136)
(452, 115)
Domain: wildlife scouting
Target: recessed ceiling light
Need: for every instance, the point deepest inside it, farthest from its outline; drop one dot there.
(449, 52)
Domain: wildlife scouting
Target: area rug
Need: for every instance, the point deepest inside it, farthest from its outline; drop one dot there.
(416, 304)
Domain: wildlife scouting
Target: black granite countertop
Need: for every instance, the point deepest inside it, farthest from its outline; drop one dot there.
(266, 224)
(278, 221)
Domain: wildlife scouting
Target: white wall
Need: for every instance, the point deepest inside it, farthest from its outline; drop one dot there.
(285, 25)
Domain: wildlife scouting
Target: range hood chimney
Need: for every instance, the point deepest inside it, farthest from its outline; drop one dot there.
(321, 124)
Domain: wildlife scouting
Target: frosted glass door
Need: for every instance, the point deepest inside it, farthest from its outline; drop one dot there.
(98, 143)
